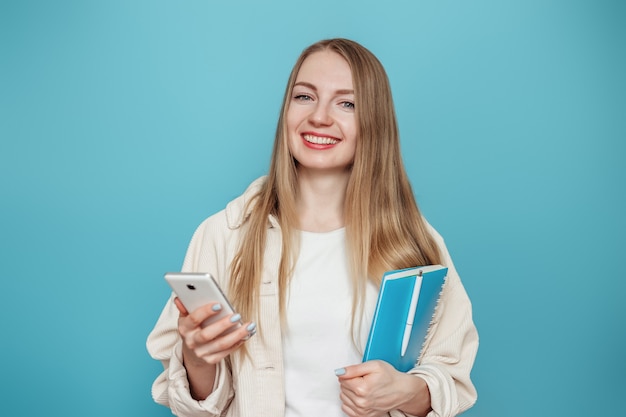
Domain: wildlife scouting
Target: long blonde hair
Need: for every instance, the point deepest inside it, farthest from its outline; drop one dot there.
(384, 227)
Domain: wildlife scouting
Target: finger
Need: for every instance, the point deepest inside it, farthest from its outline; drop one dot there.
(219, 346)
(251, 329)
(227, 326)
(215, 357)
(359, 388)
(350, 372)
(181, 308)
(360, 407)
(194, 320)
(225, 331)
(353, 409)
(360, 370)
(200, 314)
(222, 345)
(347, 402)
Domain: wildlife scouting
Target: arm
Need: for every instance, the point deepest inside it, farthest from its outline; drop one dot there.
(200, 374)
(172, 387)
(439, 385)
(182, 391)
(204, 348)
(450, 347)
(449, 353)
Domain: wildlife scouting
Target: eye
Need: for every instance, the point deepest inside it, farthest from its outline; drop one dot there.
(347, 105)
(302, 97)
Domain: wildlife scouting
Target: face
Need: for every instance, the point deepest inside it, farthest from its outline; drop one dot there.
(321, 122)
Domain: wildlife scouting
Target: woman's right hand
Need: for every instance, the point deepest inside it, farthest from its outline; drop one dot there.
(209, 344)
(204, 348)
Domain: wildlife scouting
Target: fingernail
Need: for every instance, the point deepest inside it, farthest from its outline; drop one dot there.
(340, 371)
(251, 327)
(216, 307)
(235, 318)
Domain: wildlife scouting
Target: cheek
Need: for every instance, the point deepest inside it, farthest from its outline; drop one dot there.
(349, 128)
(293, 118)
(291, 134)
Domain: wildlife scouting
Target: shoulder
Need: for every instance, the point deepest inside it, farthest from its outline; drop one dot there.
(446, 259)
(434, 233)
(234, 215)
(239, 209)
(215, 240)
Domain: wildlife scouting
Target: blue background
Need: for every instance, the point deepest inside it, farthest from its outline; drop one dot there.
(124, 123)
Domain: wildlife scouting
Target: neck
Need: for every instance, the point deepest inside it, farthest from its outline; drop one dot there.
(320, 200)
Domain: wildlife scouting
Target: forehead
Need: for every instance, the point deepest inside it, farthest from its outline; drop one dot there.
(327, 68)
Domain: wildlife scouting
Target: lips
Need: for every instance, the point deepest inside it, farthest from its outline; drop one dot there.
(320, 140)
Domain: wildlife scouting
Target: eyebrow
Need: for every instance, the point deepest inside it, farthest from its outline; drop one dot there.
(312, 87)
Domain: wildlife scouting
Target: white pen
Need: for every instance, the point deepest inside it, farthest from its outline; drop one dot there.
(411, 314)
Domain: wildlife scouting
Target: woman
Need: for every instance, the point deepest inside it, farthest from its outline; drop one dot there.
(301, 253)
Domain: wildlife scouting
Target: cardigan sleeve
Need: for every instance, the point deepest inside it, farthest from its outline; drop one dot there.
(171, 387)
(450, 348)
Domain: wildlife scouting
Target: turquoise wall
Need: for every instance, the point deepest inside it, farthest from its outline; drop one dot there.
(124, 123)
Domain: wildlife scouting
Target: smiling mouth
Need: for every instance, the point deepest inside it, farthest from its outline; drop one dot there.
(320, 140)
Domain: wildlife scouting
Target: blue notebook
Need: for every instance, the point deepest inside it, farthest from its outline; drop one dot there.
(406, 305)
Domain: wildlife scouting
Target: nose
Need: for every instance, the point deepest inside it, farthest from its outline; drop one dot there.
(320, 116)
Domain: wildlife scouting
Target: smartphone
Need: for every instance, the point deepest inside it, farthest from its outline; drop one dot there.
(195, 289)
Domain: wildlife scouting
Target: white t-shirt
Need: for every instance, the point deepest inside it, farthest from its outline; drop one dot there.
(318, 339)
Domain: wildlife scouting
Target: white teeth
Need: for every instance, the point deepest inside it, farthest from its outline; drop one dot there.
(318, 140)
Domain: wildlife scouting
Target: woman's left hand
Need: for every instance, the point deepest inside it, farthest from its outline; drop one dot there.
(373, 388)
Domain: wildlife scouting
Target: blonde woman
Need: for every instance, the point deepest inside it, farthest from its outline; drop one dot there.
(301, 254)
